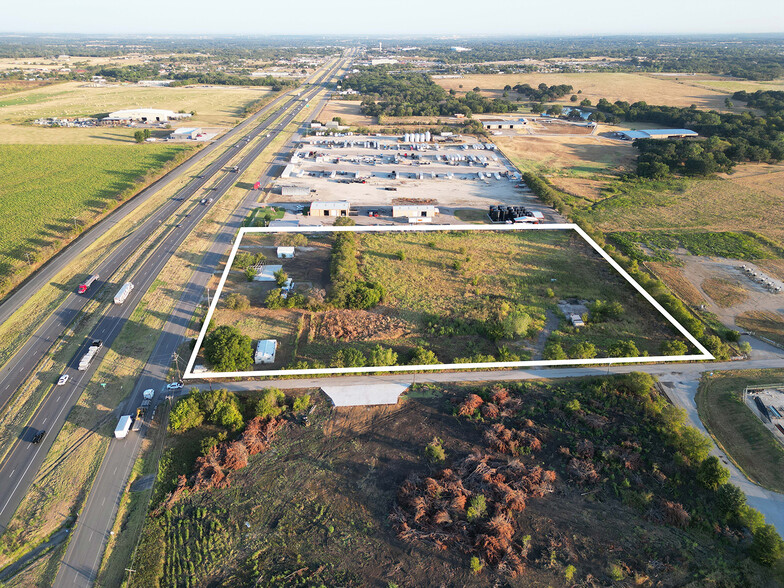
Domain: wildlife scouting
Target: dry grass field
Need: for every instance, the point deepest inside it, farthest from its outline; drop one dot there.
(612, 86)
(725, 293)
(214, 106)
(680, 285)
(348, 111)
(567, 155)
(763, 322)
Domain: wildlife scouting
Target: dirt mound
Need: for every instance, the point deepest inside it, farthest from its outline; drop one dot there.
(360, 325)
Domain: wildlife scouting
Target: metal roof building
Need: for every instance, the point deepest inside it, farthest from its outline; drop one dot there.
(265, 351)
(145, 115)
(656, 134)
(340, 208)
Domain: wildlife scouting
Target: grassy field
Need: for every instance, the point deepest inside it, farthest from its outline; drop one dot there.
(740, 433)
(214, 105)
(765, 323)
(50, 192)
(612, 86)
(316, 509)
(445, 291)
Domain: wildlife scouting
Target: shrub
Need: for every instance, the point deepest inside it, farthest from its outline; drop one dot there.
(228, 350)
(237, 301)
(274, 299)
(712, 474)
(348, 357)
(186, 414)
(515, 324)
(767, 547)
(344, 221)
(553, 350)
(570, 569)
(435, 451)
(422, 356)
(400, 255)
(601, 310)
(271, 403)
(673, 347)
(476, 564)
(730, 500)
(301, 403)
(572, 406)
(477, 507)
(616, 572)
(381, 356)
(623, 349)
(209, 442)
(583, 350)
(280, 277)
(250, 273)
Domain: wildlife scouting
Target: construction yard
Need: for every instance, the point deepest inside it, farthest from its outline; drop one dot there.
(448, 297)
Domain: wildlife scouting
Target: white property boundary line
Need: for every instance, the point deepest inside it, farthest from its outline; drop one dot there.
(703, 355)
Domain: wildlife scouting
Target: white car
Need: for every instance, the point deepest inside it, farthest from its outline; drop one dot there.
(174, 386)
(63, 379)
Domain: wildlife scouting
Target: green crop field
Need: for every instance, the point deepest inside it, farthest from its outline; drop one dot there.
(45, 186)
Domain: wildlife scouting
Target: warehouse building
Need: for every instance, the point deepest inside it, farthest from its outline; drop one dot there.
(145, 115)
(340, 208)
(656, 134)
(191, 133)
(500, 124)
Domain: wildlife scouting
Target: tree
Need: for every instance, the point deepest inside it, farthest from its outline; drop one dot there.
(555, 110)
(573, 98)
(422, 356)
(673, 347)
(553, 350)
(228, 350)
(186, 414)
(730, 499)
(381, 356)
(344, 221)
(585, 102)
(349, 357)
(271, 403)
(515, 324)
(623, 349)
(584, 350)
(767, 547)
(250, 273)
(712, 474)
(435, 451)
(301, 403)
(235, 301)
(280, 277)
(139, 136)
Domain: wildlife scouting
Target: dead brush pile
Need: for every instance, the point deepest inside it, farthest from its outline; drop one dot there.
(212, 470)
(472, 508)
(501, 404)
(511, 441)
(360, 325)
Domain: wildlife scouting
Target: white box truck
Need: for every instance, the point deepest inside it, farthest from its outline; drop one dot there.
(123, 426)
(123, 293)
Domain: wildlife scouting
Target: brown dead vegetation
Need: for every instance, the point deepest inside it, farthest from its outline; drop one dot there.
(360, 325)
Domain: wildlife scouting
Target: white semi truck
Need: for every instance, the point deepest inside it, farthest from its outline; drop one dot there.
(123, 426)
(123, 293)
(84, 362)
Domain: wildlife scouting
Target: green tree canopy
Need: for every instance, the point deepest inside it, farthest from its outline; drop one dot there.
(228, 350)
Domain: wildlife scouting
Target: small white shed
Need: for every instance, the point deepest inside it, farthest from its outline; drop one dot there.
(285, 252)
(265, 351)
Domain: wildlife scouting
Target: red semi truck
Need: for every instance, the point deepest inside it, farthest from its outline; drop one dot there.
(87, 283)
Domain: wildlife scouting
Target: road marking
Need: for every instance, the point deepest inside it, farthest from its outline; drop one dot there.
(43, 423)
(12, 472)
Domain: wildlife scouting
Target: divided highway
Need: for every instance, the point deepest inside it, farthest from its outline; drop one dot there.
(20, 467)
(82, 559)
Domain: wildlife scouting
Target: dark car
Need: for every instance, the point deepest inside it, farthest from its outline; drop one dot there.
(39, 437)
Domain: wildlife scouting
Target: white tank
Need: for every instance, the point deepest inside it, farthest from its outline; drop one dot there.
(427, 136)
(407, 138)
(417, 138)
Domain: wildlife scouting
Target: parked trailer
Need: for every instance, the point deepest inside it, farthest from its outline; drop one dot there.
(123, 293)
(123, 426)
(762, 408)
(87, 283)
(774, 412)
(84, 362)
(779, 427)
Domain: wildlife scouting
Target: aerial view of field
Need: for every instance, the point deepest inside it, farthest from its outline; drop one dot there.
(439, 297)
(526, 484)
(51, 192)
(215, 106)
(612, 86)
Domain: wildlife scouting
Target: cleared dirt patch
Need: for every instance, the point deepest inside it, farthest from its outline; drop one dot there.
(725, 293)
(674, 278)
(360, 325)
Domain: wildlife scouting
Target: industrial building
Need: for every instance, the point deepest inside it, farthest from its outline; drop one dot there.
(340, 208)
(145, 115)
(656, 134)
(265, 351)
(191, 133)
(414, 211)
(492, 124)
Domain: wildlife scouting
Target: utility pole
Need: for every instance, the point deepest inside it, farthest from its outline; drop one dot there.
(176, 359)
(74, 220)
(130, 571)
(208, 297)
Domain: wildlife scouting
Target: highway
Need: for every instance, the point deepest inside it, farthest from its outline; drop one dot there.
(21, 365)
(82, 559)
(23, 461)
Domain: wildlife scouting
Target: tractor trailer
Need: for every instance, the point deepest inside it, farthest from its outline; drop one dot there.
(87, 283)
(123, 426)
(87, 358)
(123, 293)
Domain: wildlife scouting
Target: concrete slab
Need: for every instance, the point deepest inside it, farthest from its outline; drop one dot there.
(267, 274)
(364, 395)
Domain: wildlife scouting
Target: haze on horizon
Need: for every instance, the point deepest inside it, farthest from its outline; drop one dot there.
(522, 18)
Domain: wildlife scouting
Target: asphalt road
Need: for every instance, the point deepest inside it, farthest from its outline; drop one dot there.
(21, 365)
(22, 463)
(82, 559)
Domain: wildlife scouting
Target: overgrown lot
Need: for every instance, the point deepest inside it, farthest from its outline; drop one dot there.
(588, 482)
(418, 298)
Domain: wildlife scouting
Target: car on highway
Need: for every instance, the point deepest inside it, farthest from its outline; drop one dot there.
(38, 437)
(178, 225)
(63, 379)
(174, 386)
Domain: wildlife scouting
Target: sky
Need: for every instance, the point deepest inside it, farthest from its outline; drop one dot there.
(414, 17)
